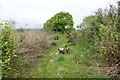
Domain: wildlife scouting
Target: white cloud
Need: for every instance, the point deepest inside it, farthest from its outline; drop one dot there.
(41, 10)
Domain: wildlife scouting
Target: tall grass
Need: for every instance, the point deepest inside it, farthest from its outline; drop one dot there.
(30, 46)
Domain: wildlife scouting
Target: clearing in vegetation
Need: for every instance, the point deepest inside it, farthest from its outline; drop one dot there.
(91, 51)
(75, 64)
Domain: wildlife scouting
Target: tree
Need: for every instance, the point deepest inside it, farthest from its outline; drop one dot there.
(60, 22)
(102, 28)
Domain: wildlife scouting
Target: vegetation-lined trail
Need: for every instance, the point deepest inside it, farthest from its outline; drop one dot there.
(74, 64)
(62, 50)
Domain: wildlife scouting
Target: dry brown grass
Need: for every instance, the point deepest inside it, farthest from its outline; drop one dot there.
(30, 46)
(34, 43)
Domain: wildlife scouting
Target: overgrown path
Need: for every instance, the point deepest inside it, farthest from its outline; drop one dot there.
(75, 64)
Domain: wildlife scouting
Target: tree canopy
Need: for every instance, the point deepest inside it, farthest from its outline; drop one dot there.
(60, 22)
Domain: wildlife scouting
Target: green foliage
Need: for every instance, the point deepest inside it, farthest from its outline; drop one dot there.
(101, 29)
(109, 38)
(56, 36)
(73, 37)
(60, 22)
(97, 39)
(7, 47)
(54, 43)
(109, 44)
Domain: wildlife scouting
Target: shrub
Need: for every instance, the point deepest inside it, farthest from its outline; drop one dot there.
(73, 37)
(109, 45)
(101, 31)
(7, 44)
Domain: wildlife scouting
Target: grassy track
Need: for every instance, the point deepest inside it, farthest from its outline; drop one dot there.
(75, 64)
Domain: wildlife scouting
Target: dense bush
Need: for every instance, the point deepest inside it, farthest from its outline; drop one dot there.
(109, 45)
(101, 28)
(109, 37)
(7, 44)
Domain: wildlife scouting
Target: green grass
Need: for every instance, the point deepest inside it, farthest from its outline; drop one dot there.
(75, 64)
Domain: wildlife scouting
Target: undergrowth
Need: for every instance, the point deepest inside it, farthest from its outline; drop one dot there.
(75, 64)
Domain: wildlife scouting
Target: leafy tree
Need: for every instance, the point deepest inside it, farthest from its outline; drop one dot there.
(103, 28)
(60, 22)
(89, 27)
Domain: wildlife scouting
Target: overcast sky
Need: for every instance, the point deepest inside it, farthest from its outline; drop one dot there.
(36, 12)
